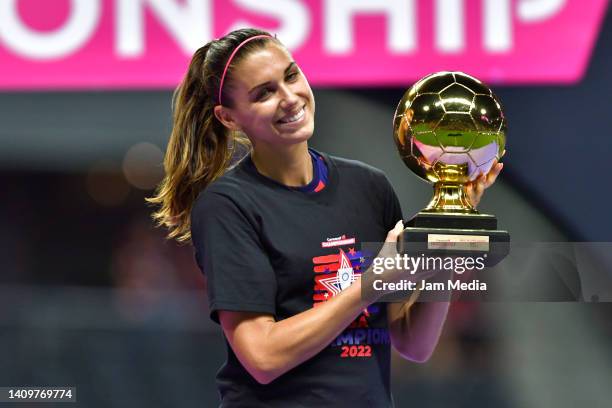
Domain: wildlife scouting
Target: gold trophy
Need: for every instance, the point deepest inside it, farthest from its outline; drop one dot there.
(449, 128)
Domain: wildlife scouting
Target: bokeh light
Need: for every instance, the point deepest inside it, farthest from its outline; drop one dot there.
(142, 165)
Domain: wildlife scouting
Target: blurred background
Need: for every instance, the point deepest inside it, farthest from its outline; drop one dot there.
(93, 296)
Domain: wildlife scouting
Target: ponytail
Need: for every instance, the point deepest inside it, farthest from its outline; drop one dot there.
(200, 148)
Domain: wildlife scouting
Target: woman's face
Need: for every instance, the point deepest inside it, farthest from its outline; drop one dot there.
(272, 100)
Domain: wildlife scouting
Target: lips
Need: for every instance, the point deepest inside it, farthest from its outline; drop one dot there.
(295, 117)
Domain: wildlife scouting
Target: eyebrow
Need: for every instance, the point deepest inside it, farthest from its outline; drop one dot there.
(256, 87)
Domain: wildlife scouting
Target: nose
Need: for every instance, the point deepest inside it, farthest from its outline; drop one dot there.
(289, 99)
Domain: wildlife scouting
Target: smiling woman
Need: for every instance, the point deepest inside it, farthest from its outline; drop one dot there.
(278, 236)
(272, 100)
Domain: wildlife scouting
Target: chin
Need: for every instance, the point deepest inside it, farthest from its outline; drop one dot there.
(295, 139)
(299, 135)
(302, 135)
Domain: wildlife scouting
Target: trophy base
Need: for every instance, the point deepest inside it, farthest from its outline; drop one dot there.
(450, 234)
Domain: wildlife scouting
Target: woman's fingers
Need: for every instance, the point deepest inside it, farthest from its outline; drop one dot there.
(475, 189)
(479, 185)
(493, 173)
(469, 189)
(395, 232)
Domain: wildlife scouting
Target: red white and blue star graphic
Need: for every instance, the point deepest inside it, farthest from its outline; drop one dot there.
(337, 271)
(343, 279)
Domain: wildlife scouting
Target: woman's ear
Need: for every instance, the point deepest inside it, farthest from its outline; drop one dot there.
(225, 116)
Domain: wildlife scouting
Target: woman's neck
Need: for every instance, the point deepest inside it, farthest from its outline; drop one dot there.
(289, 165)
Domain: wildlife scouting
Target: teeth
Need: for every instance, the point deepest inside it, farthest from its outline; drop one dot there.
(295, 117)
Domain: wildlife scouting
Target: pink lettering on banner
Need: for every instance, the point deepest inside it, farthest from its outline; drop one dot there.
(136, 44)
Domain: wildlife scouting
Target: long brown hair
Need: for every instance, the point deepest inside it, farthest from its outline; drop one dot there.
(200, 148)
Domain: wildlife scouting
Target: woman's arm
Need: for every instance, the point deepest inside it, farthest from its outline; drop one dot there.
(415, 329)
(268, 349)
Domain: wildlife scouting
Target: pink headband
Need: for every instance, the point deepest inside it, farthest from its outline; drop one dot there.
(229, 61)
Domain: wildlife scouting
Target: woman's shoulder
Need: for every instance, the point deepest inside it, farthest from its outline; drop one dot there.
(356, 174)
(355, 167)
(230, 188)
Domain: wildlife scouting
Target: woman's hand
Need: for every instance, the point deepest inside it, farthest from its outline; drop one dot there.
(476, 188)
(390, 268)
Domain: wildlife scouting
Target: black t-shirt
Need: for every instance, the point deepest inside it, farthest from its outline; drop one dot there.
(268, 248)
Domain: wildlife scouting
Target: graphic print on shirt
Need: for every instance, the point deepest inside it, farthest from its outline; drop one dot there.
(343, 278)
(334, 271)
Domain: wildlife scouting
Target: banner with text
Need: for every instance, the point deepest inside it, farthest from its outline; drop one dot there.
(136, 44)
